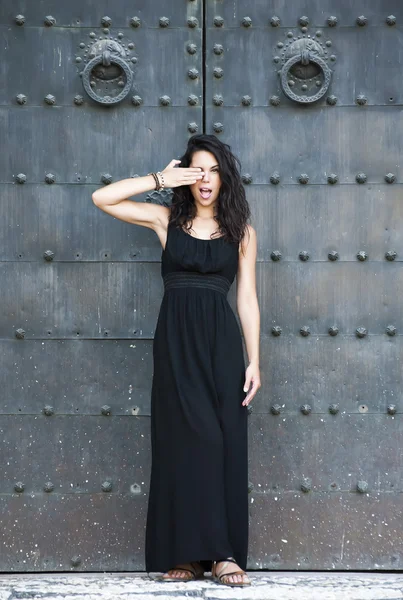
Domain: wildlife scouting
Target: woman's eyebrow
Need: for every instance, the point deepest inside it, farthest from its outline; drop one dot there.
(196, 167)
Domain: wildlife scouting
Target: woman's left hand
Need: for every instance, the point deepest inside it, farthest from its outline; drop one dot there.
(252, 376)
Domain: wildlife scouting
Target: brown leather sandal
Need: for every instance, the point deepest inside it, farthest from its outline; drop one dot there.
(196, 572)
(220, 578)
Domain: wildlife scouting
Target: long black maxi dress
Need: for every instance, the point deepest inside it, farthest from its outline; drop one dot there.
(198, 498)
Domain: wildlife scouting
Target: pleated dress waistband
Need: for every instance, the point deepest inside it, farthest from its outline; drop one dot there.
(184, 279)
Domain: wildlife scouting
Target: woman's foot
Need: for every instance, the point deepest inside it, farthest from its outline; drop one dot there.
(223, 567)
(184, 572)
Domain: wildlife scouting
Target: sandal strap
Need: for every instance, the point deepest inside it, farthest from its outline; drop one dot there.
(220, 577)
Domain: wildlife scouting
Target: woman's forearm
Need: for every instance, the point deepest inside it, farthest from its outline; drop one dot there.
(249, 315)
(123, 189)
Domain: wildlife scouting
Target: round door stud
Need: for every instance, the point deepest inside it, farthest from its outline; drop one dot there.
(107, 77)
(305, 76)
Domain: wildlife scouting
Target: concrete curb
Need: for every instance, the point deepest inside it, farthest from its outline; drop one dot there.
(265, 586)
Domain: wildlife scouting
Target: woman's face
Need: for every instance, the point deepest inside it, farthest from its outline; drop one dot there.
(205, 191)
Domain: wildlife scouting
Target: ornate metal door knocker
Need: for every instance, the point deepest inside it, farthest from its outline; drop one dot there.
(107, 77)
(305, 76)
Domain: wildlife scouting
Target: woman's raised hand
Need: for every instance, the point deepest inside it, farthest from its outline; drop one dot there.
(175, 176)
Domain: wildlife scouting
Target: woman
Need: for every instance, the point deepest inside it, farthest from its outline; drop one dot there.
(197, 516)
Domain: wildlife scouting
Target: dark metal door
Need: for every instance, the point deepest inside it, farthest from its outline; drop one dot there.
(80, 290)
(309, 94)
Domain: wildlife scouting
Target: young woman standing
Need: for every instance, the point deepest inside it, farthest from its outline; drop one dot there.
(197, 516)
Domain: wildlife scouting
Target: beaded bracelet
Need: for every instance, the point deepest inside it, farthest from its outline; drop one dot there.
(162, 182)
(157, 181)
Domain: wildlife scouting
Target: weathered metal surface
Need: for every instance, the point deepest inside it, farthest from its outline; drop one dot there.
(324, 184)
(77, 378)
(80, 290)
(72, 531)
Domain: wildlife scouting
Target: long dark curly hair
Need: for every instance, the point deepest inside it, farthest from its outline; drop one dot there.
(233, 209)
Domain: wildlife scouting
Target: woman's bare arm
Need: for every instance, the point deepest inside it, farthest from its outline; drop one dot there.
(249, 313)
(113, 198)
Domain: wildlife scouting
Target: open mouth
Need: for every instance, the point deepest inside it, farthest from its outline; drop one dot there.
(205, 193)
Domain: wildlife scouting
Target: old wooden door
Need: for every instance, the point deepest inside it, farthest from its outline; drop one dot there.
(309, 96)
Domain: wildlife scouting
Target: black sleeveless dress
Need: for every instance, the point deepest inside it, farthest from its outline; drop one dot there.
(198, 498)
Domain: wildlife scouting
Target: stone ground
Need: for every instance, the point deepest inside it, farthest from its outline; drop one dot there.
(266, 585)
